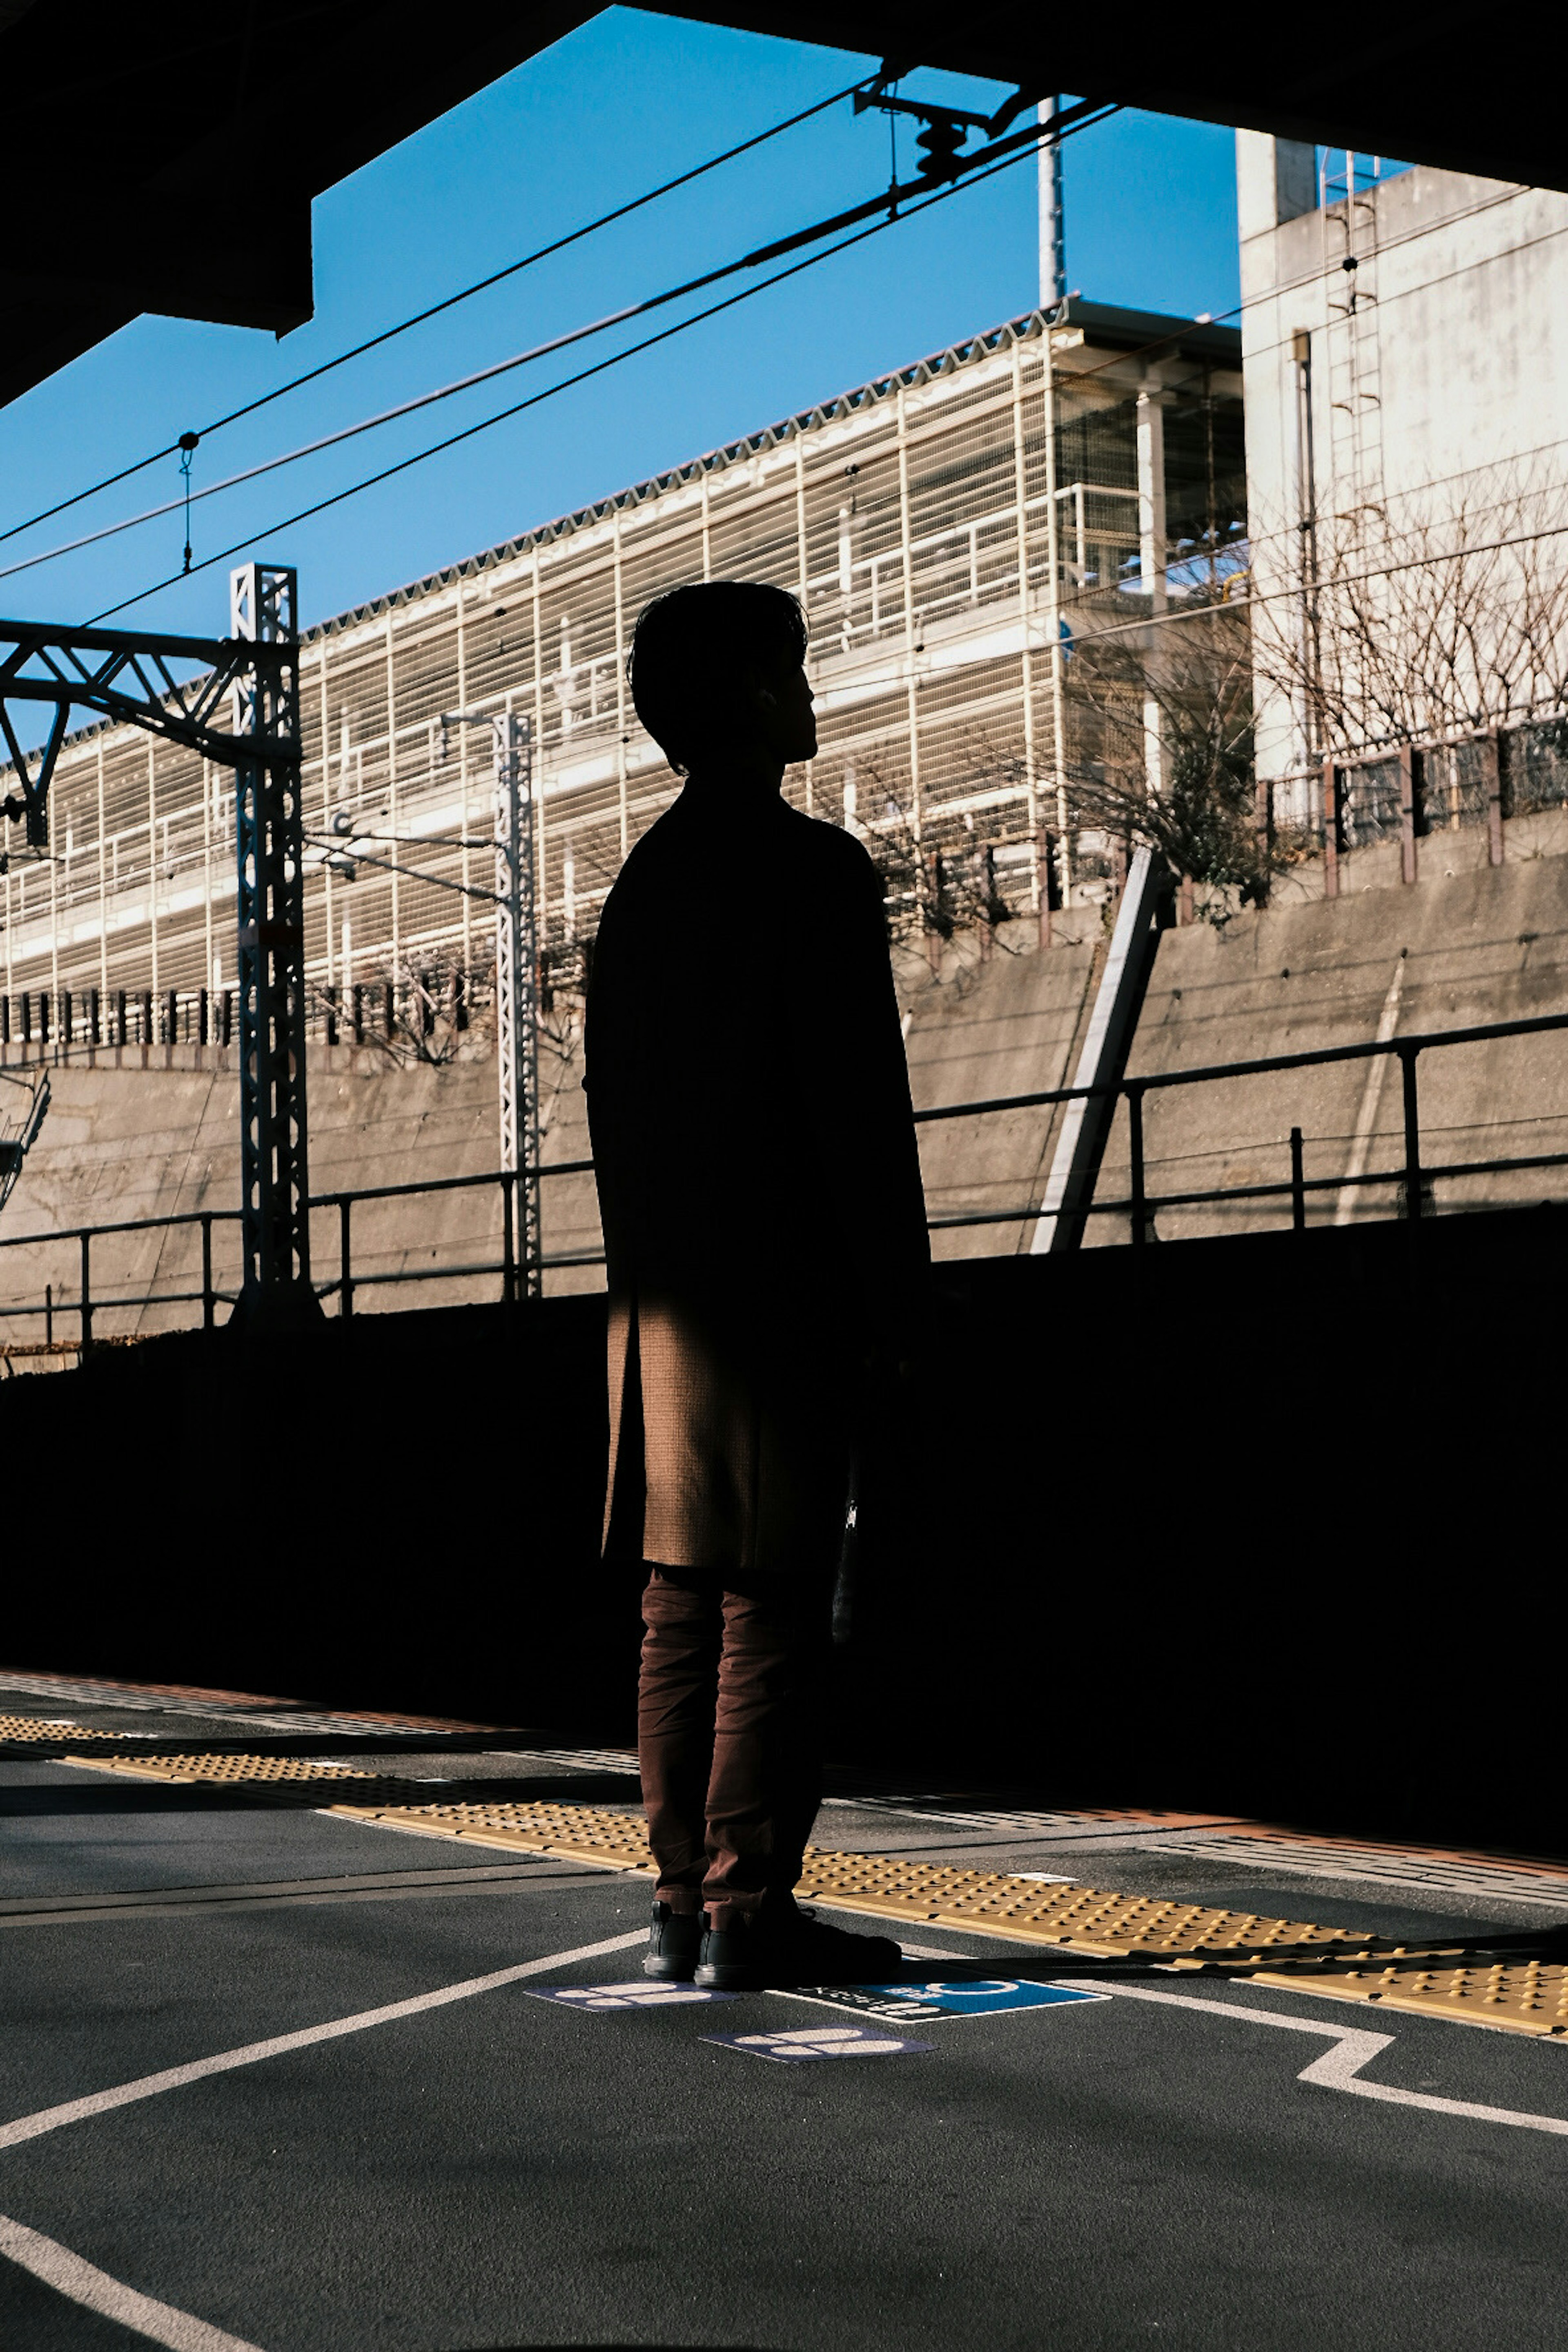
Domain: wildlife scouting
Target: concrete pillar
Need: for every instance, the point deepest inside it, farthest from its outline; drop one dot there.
(1276, 181)
(1409, 786)
(1151, 565)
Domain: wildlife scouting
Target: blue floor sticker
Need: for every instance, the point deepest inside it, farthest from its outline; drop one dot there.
(900, 2004)
(820, 2042)
(624, 1996)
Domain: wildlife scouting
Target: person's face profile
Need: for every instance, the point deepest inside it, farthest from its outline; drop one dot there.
(788, 721)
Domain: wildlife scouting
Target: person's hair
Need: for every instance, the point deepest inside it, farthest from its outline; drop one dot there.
(696, 653)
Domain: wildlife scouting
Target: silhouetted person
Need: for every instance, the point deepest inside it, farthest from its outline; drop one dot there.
(765, 1232)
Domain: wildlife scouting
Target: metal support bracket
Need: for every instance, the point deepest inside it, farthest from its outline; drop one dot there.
(175, 687)
(120, 675)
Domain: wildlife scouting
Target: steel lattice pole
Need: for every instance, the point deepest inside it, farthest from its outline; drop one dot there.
(516, 982)
(274, 1170)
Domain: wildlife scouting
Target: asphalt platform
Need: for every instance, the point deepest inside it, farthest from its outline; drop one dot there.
(280, 2079)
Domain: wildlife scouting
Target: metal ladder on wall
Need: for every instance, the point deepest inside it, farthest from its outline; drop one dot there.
(1348, 210)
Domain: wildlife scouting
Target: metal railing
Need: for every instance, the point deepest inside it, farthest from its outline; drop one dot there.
(511, 1268)
(85, 1305)
(344, 1284)
(1140, 1205)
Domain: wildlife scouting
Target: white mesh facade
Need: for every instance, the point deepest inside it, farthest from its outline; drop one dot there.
(938, 532)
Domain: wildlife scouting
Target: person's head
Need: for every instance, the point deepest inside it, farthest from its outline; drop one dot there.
(717, 676)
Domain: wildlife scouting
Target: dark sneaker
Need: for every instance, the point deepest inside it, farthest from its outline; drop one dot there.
(673, 1943)
(790, 1947)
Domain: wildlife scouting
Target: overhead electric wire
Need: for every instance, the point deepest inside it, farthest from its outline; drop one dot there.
(1020, 142)
(435, 309)
(1015, 149)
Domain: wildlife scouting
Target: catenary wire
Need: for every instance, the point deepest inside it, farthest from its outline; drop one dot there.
(1023, 143)
(449, 301)
(909, 212)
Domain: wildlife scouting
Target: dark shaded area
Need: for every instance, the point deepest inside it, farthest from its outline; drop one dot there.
(153, 213)
(46, 2321)
(400, 1513)
(1268, 1524)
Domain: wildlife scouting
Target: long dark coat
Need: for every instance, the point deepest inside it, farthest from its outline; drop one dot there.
(759, 1184)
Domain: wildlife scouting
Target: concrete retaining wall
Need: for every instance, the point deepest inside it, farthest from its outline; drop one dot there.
(1475, 946)
(1467, 943)
(125, 1144)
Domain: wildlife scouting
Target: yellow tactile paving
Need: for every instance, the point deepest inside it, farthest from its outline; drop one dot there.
(1078, 1918)
(1082, 1918)
(1522, 1996)
(192, 1770)
(32, 1728)
(568, 1832)
(1525, 1996)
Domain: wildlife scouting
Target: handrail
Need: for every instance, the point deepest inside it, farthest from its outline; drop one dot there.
(130, 1225)
(1140, 1206)
(1307, 1059)
(445, 1184)
(1153, 1202)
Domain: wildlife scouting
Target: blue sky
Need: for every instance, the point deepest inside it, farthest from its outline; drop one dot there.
(624, 102)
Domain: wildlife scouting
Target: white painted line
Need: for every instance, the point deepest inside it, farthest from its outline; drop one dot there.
(96, 2291)
(250, 2053)
(1338, 2069)
(1348, 1199)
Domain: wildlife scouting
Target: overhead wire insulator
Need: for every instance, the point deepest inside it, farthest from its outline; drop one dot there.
(939, 144)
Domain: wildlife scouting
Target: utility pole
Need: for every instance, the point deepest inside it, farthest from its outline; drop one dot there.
(517, 975)
(1312, 730)
(517, 983)
(274, 1187)
(1053, 221)
(1151, 566)
(1053, 302)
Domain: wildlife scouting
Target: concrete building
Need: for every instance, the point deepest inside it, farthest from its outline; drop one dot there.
(1405, 361)
(952, 530)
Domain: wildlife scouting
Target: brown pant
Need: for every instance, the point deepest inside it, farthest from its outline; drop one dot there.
(730, 1712)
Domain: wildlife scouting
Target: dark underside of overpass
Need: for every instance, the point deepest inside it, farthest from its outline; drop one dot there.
(171, 168)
